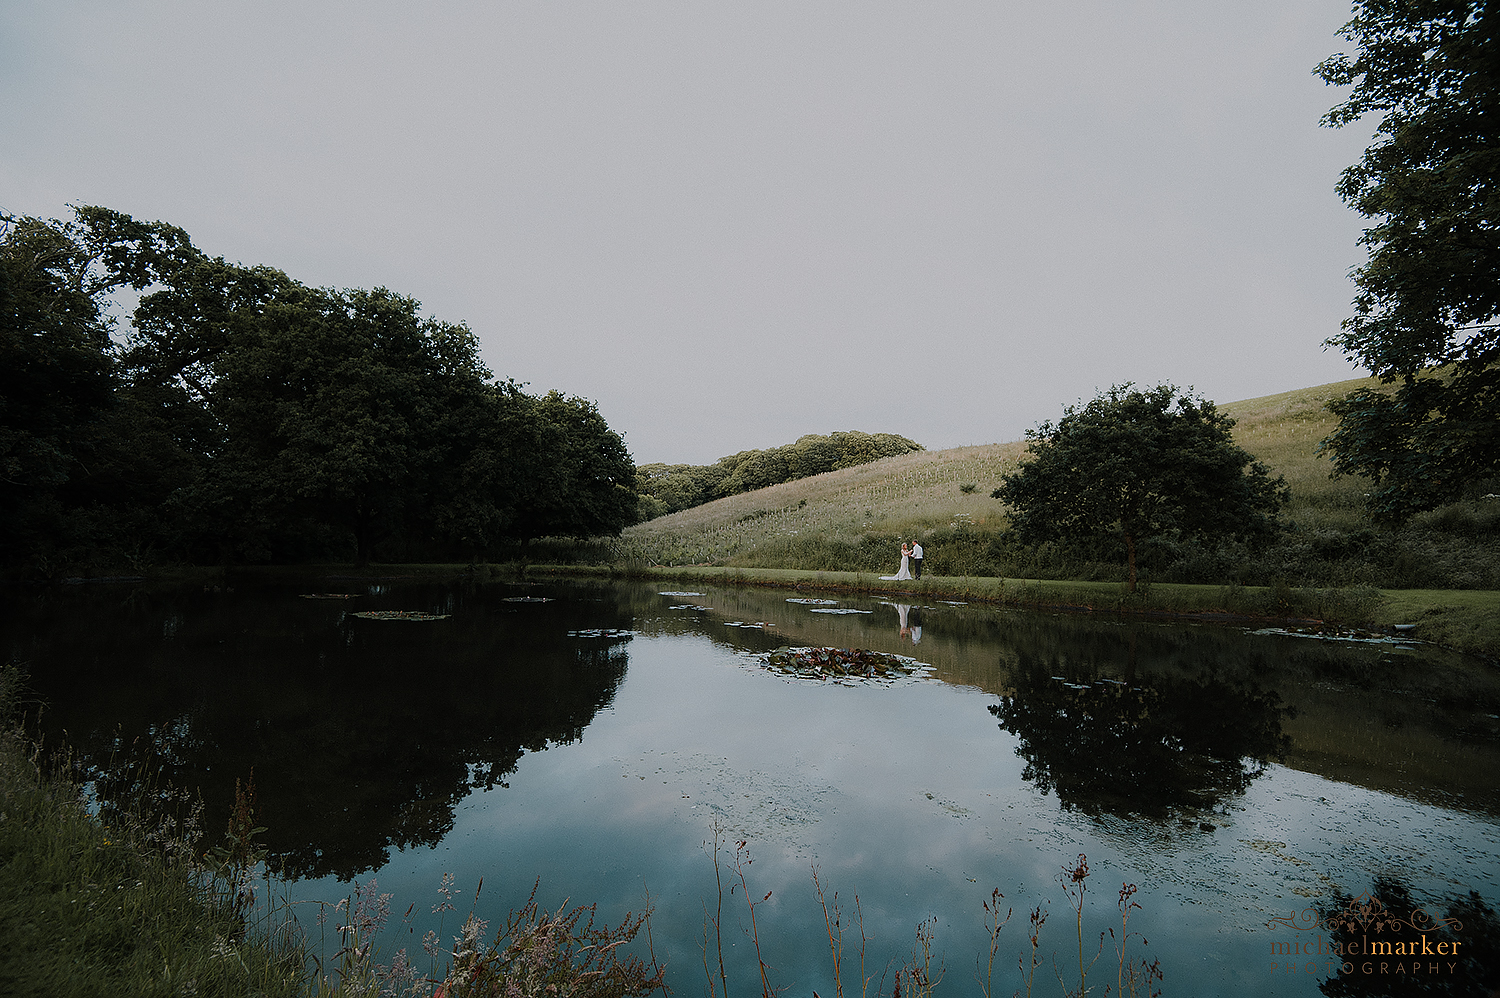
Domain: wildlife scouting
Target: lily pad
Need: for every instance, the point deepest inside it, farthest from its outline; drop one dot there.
(842, 663)
(399, 615)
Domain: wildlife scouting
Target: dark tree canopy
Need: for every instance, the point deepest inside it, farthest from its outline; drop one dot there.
(1136, 464)
(247, 416)
(57, 379)
(1427, 315)
(670, 488)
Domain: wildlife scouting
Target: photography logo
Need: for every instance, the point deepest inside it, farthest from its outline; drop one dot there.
(1365, 939)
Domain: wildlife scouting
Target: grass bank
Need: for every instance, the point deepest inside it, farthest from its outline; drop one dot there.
(1466, 620)
(855, 519)
(123, 907)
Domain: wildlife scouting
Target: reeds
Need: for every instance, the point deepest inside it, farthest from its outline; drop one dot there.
(117, 899)
(919, 974)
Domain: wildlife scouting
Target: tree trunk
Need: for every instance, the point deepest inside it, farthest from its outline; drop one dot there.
(1130, 558)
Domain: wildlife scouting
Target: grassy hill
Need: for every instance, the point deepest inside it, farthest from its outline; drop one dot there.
(854, 520)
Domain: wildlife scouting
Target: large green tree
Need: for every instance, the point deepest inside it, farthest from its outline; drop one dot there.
(247, 416)
(1137, 464)
(57, 377)
(1427, 315)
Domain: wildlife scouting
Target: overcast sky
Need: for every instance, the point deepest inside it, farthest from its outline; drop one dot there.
(735, 223)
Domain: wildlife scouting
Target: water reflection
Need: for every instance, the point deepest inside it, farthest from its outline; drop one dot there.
(1415, 720)
(1387, 943)
(362, 734)
(910, 622)
(365, 735)
(1139, 745)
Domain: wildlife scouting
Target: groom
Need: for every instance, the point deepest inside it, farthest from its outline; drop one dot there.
(916, 559)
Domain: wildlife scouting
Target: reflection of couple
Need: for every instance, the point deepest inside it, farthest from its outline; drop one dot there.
(911, 563)
(911, 622)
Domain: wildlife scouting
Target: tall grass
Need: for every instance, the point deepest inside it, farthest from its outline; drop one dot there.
(105, 890)
(856, 518)
(120, 905)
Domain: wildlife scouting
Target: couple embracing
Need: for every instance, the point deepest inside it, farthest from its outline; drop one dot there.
(911, 563)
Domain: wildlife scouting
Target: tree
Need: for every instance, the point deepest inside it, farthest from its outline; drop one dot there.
(248, 415)
(1427, 314)
(581, 478)
(1136, 464)
(56, 377)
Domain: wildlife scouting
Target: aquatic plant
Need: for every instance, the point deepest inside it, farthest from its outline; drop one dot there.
(840, 663)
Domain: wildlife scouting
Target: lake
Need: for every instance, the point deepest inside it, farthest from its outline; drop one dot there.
(596, 737)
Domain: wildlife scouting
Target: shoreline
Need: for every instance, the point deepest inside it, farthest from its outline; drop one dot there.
(1464, 620)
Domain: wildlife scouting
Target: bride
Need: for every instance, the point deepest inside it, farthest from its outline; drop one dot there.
(905, 571)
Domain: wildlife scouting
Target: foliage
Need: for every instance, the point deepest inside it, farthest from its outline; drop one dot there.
(855, 519)
(248, 417)
(1138, 464)
(116, 904)
(672, 488)
(57, 380)
(1427, 314)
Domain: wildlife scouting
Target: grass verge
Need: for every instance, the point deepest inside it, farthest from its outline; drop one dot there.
(89, 908)
(1467, 620)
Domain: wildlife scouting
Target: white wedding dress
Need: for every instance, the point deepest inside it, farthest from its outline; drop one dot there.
(904, 573)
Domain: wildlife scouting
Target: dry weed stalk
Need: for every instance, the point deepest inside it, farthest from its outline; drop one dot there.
(993, 923)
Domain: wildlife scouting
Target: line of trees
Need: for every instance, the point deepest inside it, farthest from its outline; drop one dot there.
(244, 416)
(670, 488)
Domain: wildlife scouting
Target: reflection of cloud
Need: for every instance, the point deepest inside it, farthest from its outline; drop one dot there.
(763, 807)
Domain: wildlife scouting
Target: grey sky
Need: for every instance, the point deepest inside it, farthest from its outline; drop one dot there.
(733, 224)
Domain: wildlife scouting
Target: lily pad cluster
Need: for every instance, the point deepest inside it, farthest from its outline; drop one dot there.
(839, 663)
(399, 615)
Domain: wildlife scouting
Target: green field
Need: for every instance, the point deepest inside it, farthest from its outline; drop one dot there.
(1440, 571)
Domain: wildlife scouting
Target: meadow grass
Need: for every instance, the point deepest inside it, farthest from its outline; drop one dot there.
(854, 519)
(89, 907)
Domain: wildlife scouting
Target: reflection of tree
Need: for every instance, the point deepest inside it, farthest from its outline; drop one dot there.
(1389, 915)
(1145, 746)
(363, 735)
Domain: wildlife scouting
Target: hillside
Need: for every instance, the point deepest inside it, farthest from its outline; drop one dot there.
(855, 519)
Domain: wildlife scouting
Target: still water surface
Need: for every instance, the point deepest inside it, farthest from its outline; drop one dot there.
(594, 735)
